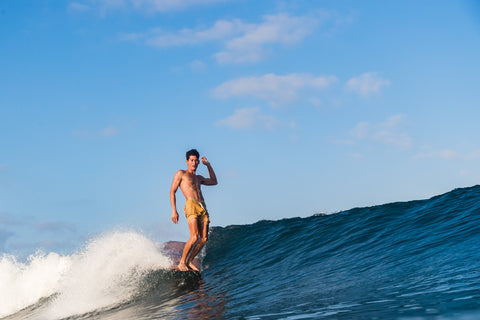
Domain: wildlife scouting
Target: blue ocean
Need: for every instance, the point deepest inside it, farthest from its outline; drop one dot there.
(406, 260)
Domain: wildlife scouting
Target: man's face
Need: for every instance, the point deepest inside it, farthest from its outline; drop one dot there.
(192, 163)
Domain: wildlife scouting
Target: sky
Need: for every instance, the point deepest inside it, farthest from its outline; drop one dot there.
(300, 106)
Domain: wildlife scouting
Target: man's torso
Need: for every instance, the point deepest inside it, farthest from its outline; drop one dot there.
(190, 186)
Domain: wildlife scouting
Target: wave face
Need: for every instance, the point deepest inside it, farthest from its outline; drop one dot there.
(405, 260)
(399, 260)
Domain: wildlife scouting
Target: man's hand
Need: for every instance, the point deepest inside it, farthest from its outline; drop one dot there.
(175, 217)
(212, 180)
(205, 161)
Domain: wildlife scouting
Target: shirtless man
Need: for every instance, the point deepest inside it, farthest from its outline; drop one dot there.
(195, 209)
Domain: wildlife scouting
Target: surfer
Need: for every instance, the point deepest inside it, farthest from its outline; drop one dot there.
(195, 209)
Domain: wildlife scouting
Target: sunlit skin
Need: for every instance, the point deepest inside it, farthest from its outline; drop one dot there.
(189, 182)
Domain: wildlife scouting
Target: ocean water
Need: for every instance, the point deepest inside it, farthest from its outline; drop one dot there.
(406, 260)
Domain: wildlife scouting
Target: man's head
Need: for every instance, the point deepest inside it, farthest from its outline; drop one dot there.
(192, 160)
(192, 152)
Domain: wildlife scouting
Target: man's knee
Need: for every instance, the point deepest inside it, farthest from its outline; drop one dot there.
(193, 238)
(204, 239)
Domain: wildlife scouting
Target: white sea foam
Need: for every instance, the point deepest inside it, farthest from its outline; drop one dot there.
(23, 284)
(105, 273)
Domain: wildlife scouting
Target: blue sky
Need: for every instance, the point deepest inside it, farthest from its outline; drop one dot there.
(300, 106)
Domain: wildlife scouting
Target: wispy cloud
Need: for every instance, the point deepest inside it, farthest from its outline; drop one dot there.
(241, 41)
(275, 29)
(367, 84)
(78, 7)
(7, 219)
(389, 132)
(144, 6)
(429, 152)
(55, 226)
(444, 154)
(198, 66)
(48, 245)
(473, 155)
(220, 31)
(109, 131)
(10, 220)
(153, 6)
(252, 117)
(13, 229)
(4, 236)
(277, 90)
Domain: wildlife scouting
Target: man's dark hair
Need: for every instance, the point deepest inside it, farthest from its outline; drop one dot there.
(192, 152)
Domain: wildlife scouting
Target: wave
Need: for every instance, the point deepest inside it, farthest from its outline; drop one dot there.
(406, 258)
(416, 259)
(106, 272)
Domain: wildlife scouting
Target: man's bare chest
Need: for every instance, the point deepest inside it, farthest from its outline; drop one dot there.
(191, 182)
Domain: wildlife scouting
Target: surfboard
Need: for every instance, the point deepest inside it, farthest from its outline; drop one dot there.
(176, 268)
(174, 250)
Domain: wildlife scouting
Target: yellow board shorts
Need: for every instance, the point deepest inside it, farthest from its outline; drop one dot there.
(196, 210)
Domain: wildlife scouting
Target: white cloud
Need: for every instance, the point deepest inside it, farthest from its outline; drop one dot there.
(275, 29)
(55, 226)
(144, 6)
(103, 133)
(77, 7)
(198, 66)
(153, 6)
(361, 130)
(220, 31)
(277, 90)
(131, 37)
(393, 138)
(428, 152)
(474, 155)
(241, 41)
(389, 132)
(357, 156)
(109, 131)
(251, 117)
(445, 154)
(367, 84)
(448, 154)
(242, 118)
(316, 102)
(342, 141)
(4, 236)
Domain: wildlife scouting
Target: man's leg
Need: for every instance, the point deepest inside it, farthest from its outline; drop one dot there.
(193, 227)
(203, 226)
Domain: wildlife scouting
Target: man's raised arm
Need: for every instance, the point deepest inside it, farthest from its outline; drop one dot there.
(212, 179)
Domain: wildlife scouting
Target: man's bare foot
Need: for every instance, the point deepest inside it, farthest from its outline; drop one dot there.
(192, 267)
(182, 267)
